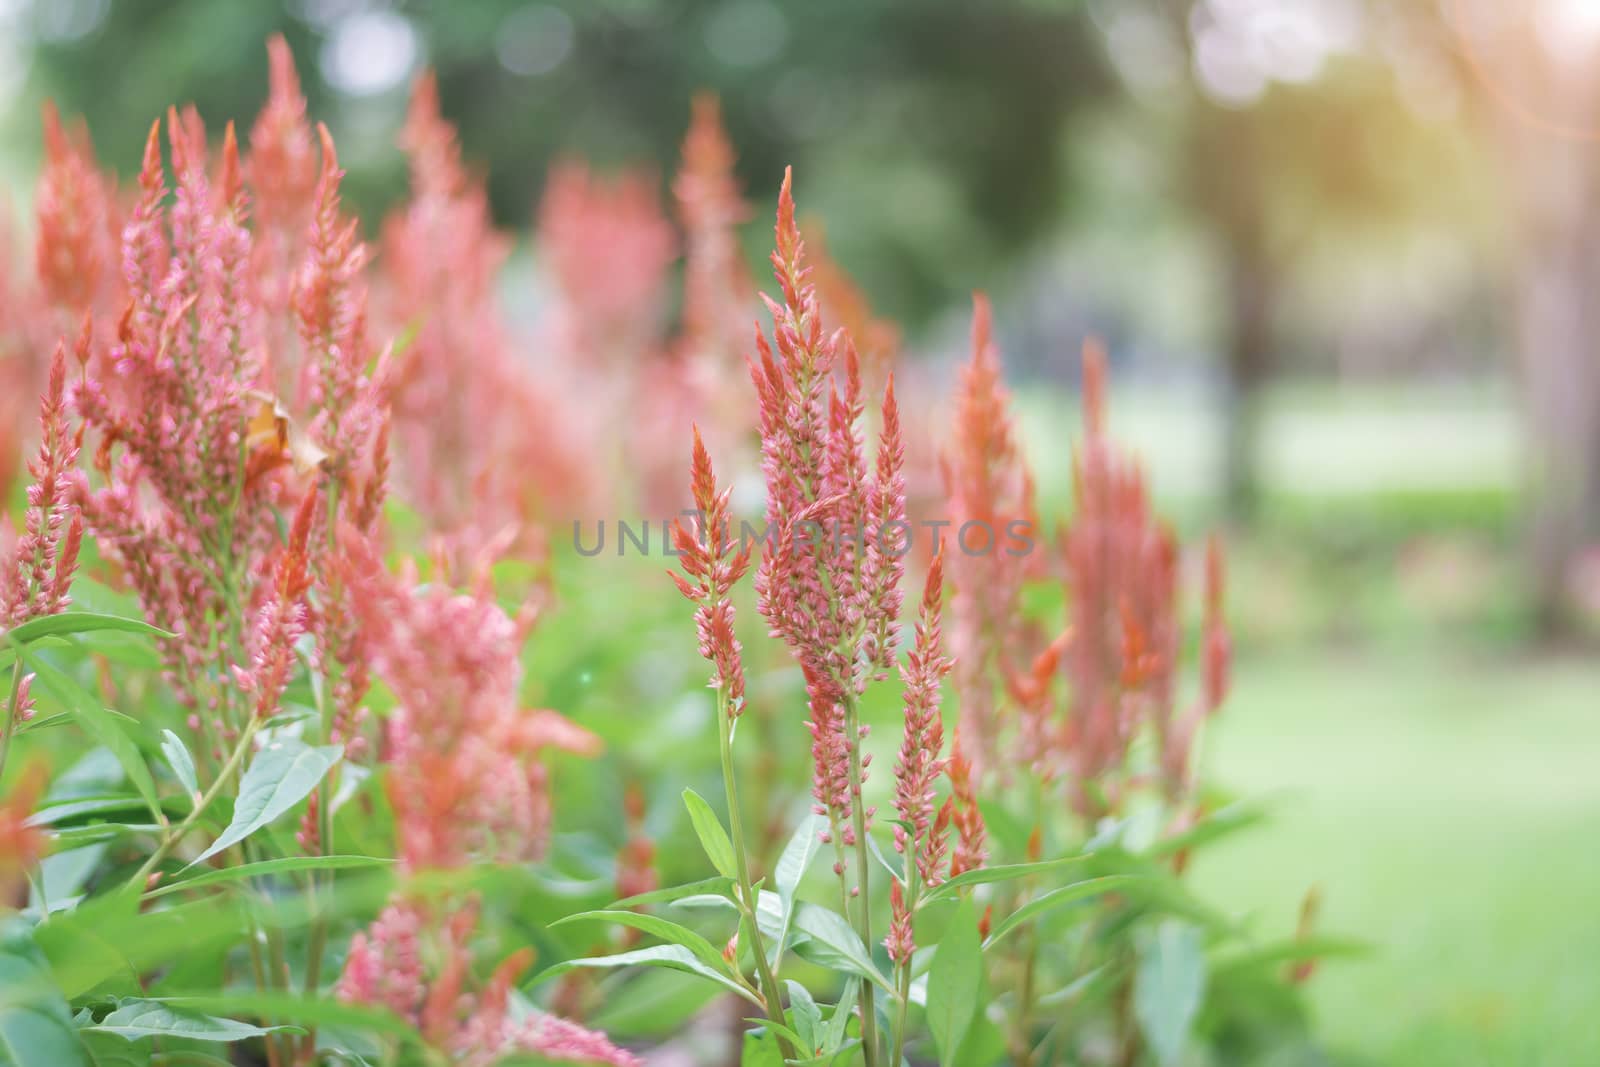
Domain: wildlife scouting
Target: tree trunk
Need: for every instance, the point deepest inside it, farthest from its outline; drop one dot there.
(1546, 128)
(1249, 350)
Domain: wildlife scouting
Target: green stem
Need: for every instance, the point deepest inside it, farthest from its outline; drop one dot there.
(858, 815)
(903, 985)
(235, 758)
(11, 712)
(749, 902)
(318, 940)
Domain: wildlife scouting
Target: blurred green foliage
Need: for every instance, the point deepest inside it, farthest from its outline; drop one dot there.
(951, 109)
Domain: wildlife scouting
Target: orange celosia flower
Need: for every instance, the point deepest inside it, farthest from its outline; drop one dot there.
(21, 845)
(989, 494)
(481, 449)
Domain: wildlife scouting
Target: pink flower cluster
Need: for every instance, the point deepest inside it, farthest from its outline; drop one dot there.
(1119, 653)
(464, 780)
(834, 600)
(388, 966)
(710, 557)
(466, 785)
(609, 247)
(919, 834)
(482, 447)
(36, 568)
(987, 482)
(236, 383)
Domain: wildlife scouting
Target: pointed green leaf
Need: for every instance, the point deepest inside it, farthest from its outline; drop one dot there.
(713, 838)
(262, 868)
(760, 1050)
(1220, 823)
(988, 875)
(79, 622)
(720, 885)
(835, 943)
(953, 981)
(280, 776)
(180, 761)
(657, 927)
(1067, 894)
(107, 728)
(35, 1024)
(1168, 986)
(302, 1011)
(806, 1015)
(796, 857)
(675, 957)
(839, 1021)
(138, 1018)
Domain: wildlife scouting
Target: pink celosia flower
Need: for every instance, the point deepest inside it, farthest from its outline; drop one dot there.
(920, 764)
(480, 447)
(1122, 572)
(877, 339)
(972, 848)
(188, 502)
(281, 620)
(636, 862)
(716, 283)
(75, 249)
(466, 786)
(36, 572)
(989, 493)
(901, 942)
(715, 559)
(464, 776)
(384, 965)
(609, 247)
(828, 582)
(21, 843)
(694, 379)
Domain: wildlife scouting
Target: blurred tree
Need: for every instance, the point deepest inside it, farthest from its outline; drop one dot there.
(1284, 151)
(969, 100)
(1532, 71)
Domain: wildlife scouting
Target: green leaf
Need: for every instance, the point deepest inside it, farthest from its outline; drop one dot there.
(713, 838)
(769, 909)
(79, 622)
(988, 875)
(1295, 950)
(263, 868)
(318, 1011)
(806, 1015)
(1220, 823)
(796, 857)
(835, 943)
(104, 726)
(180, 761)
(109, 1050)
(655, 926)
(35, 1024)
(675, 957)
(839, 1021)
(114, 808)
(953, 981)
(1067, 894)
(280, 776)
(138, 1018)
(1168, 986)
(760, 1050)
(720, 885)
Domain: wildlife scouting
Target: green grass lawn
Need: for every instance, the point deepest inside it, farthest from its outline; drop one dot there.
(1449, 808)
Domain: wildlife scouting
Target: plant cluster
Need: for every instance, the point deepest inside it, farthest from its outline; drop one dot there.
(283, 546)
